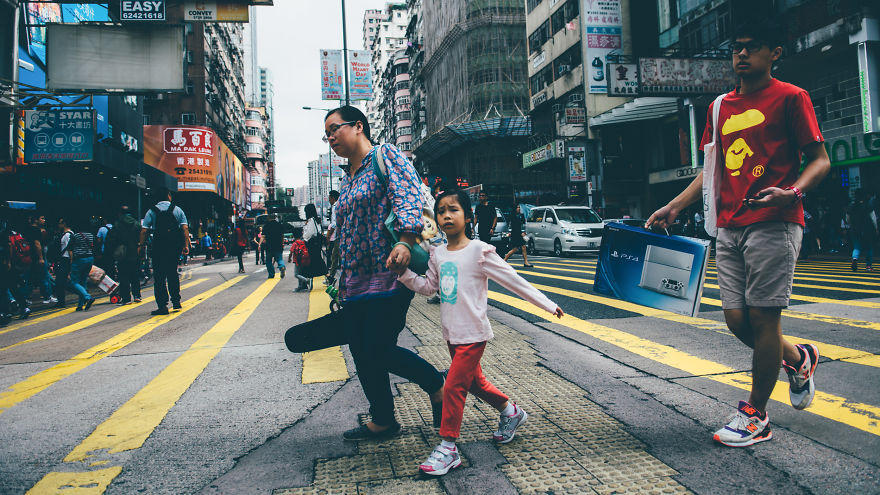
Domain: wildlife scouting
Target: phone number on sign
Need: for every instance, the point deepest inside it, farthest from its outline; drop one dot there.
(143, 16)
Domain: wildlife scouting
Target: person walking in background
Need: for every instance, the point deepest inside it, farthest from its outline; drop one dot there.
(102, 257)
(863, 230)
(82, 245)
(760, 219)
(41, 276)
(63, 265)
(466, 266)
(330, 279)
(486, 218)
(122, 246)
(207, 245)
(299, 256)
(259, 250)
(272, 241)
(239, 242)
(170, 240)
(5, 265)
(517, 237)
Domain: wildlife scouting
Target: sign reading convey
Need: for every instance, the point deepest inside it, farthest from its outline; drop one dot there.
(623, 79)
(684, 76)
(59, 135)
(331, 75)
(603, 33)
(215, 12)
(360, 75)
(142, 10)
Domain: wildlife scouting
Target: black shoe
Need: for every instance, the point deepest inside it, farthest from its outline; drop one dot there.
(89, 303)
(175, 307)
(24, 314)
(855, 265)
(364, 433)
(160, 311)
(529, 266)
(282, 271)
(271, 276)
(79, 308)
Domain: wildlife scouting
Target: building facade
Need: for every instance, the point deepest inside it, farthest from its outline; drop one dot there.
(388, 37)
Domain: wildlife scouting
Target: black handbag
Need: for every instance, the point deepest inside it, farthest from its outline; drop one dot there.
(320, 333)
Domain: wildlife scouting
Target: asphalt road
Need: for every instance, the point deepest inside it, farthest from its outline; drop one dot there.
(208, 399)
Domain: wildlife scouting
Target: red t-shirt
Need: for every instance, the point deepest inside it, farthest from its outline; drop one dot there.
(761, 135)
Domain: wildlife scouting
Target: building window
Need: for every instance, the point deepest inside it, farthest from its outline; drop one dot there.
(254, 148)
(564, 15)
(188, 118)
(253, 131)
(539, 36)
(146, 119)
(404, 131)
(566, 62)
(541, 80)
(531, 4)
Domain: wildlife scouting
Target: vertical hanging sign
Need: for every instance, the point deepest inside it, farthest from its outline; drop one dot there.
(603, 32)
(360, 75)
(331, 75)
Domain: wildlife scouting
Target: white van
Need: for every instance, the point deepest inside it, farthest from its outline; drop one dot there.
(563, 229)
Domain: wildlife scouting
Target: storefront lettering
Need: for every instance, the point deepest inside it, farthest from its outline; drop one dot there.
(843, 150)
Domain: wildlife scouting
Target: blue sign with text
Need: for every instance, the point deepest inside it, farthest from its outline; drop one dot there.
(59, 135)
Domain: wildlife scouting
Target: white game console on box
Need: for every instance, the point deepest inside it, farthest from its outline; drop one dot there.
(666, 271)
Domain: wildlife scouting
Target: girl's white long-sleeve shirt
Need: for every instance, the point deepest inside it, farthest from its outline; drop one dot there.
(463, 280)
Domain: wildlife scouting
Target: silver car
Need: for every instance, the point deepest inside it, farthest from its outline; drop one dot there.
(563, 229)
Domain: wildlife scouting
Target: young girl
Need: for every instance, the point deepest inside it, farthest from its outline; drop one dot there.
(461, 270)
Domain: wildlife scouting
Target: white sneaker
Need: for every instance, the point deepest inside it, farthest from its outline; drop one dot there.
(801, 384)
(745, 428)
(51, 300)
(507, 425)
(441, 461)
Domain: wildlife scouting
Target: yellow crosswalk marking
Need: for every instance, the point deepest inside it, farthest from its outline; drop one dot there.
(857, 415)
(825, 287)
(76, 483)
(91, 321)
(325, 365)
(46, 378)
(836, 320)
(130, 425)
(830, 351)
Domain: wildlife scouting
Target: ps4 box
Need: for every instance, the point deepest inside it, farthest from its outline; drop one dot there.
(656, 270)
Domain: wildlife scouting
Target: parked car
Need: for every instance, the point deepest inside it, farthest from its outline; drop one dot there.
(563, 229)
(501, 236)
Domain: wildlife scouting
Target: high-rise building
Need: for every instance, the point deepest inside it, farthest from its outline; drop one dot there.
(388, 37)
(251, 62)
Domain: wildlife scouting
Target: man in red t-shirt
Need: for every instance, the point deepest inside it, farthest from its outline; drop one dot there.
(764, 126)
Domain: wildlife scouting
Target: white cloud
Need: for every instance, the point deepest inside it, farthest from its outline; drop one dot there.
(289, 36)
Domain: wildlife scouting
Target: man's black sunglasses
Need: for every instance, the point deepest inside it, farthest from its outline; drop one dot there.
(750, 46)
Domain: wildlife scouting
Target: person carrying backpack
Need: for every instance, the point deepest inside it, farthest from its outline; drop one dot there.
(121, 246)
(22, 258)
(170, 240)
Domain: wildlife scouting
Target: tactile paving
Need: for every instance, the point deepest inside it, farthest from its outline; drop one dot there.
(569, 444)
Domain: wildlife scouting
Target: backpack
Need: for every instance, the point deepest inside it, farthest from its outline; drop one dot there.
(166, 230)
(21, 253)
(301, 254)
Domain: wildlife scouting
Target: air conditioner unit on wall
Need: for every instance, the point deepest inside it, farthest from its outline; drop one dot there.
(576, 97)
(557, 108)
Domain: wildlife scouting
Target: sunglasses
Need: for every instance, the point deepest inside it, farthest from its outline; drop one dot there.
(750, 46)
(335, 127)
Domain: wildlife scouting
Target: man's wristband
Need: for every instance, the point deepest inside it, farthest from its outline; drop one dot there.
(402, 243)
(798, 194)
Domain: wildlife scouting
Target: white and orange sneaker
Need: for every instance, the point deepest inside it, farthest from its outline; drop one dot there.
(745, 428)
(800, 379)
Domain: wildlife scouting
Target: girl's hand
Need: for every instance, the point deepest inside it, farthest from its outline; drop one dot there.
(398, 260)
(559, 313)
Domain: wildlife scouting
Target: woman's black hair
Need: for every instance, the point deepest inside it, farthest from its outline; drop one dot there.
(311, 211)
(464, 201)
(349, 113)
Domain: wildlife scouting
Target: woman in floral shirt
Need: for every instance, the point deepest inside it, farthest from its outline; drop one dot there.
(375, 302)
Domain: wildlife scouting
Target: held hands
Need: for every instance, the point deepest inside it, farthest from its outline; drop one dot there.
(663, 218)
(398, 260)
(772, 196)
(559, 313)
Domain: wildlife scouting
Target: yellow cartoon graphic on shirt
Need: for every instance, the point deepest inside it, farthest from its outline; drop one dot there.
(736, 155)
(738, 151)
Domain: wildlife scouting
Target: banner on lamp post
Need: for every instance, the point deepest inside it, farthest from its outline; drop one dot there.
(360, 75)
(332, 75)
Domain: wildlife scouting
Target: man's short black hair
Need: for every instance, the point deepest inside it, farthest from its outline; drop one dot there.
(768, 30)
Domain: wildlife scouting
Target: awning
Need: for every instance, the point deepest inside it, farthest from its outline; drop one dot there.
(455, 135)
(638, 109)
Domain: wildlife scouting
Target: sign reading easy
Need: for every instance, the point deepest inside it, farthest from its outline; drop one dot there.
(142, 10)
(59, 135)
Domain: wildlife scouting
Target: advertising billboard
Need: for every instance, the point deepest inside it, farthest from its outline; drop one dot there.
(555, 149)
(189, 153)
(331, 75)
(230, 176)
(37, 15)
(101, 58)
(142, 10)
(59, 135)
(623, 79)
(577, 164)
(73, 13)
(360, 75)
(215, 12)
(603, 30)
(685, 76)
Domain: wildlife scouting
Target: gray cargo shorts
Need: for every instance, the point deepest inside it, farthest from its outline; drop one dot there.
(756, 264)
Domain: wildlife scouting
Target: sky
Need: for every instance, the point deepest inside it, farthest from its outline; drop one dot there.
(289, 37)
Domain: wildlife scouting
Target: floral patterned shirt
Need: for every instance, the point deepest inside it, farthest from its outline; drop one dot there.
(363, 206)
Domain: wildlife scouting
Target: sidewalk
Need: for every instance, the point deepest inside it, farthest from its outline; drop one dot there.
(568, 445)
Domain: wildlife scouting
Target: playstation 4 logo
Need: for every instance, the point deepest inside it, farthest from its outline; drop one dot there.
(627, 257)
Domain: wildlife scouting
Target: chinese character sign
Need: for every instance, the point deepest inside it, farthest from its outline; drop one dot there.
(188, 153)
(360, 75)
(58, 135)
(603, 33)
(577, 165)
(331, 75)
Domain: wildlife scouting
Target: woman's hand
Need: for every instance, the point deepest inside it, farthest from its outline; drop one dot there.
(398, 260)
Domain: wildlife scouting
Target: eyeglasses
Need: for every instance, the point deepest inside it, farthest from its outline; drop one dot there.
(750, 46)
(336, 127)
